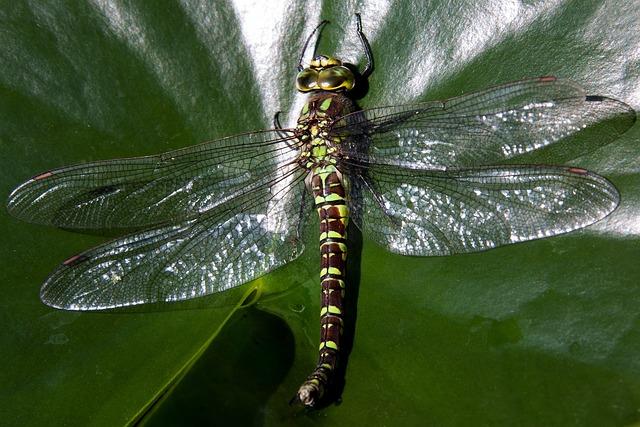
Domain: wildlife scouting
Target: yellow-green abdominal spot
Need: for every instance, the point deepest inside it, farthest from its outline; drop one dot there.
(331, 235)
(330, 270)
(328, 344)
(332, 309)
(329, 198)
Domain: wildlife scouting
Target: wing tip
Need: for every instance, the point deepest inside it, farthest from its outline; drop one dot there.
(618, 109)
(17, 196)
(58, 294)
(63, 290)
(12, 200)
(49, 298)
(606, 187)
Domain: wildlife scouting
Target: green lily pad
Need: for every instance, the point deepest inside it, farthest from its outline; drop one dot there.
(539, 333)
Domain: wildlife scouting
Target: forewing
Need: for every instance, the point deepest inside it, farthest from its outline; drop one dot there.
(235, 242)
(521, 122)
(459, 211)
(147, 191)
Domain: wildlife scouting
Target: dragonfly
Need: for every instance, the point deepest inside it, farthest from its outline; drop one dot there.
(436, 178)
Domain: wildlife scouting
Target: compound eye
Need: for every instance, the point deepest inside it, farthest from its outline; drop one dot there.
(307, 80)
(335, 78)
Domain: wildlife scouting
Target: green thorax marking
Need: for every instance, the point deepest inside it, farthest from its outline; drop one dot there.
(325, 104)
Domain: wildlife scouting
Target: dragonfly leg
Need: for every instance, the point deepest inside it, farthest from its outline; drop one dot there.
(368, 69)
(278, 127)
(276, 121)
(282, 133)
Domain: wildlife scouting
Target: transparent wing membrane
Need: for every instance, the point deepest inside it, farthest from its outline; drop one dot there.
(146, 191)
(237, 241)
(458, 211)
(521, 122)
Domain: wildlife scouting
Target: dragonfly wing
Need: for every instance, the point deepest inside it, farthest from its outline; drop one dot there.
(233, 243)
(520, 122)
(141, 192)
(469, 210)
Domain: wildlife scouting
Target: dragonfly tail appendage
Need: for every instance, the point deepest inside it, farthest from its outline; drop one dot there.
(331, 204)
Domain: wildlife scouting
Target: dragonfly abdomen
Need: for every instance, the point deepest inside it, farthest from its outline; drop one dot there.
(330, 200)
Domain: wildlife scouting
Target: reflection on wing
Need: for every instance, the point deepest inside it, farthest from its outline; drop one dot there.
(519, 122)
(148, 191)
(457, 211)
(231, 244)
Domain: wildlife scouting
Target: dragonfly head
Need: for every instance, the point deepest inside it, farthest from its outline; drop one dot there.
(325, 73)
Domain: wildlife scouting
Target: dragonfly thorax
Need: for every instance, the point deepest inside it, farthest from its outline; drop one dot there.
(318, 147)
